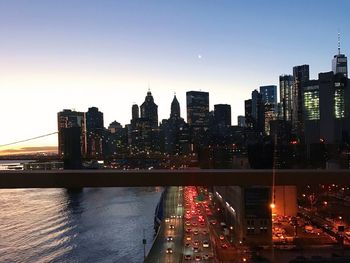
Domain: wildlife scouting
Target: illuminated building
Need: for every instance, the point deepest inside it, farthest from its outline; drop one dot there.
(269, 94)
(269, 115)
(334, 106)
(286, 85)
(197, 109)
(197, 103)
(247, 210)
(68, 119)
(311, 101)
(95, 132)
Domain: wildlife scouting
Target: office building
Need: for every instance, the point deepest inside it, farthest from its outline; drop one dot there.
(222, 115)
(340, 62)
(269, 94)
(149, 110)
(95, 132)
(286, 87)
(68, 119)
(197, 109)
(300, 76)
(135, 114)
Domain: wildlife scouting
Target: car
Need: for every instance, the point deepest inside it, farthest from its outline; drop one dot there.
(196, 243)
(187, 223)
(213, 222)
(188, 238)
(171, 226)
(205, 243)
(198, 258)
(172, 216)
(188, 230)
(195, 232)
(167, 219)
(169, 250)
(179, 216)
(169, 238)
(187, 244)
(188, 257)
(195, 249)
(224, 245)
(221, 237)
(205, 232)
(206, 257)
(194, 224)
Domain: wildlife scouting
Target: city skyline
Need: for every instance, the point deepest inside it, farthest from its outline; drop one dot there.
(90, 60)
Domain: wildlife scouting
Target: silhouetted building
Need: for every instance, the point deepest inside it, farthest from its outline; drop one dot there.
(241, 121)
(135, 112)
(175, 108)
(149, 110)
(114, 127)
(71, 138)
(222, 115)
(286, 87)
(175, 132)
(197, 117)
(257, 111)
(116, 142)
(197, 109)
(95, 132)
(300, 76)
(68, 119)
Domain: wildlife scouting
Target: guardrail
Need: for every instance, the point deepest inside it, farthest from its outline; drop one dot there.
(121, 178)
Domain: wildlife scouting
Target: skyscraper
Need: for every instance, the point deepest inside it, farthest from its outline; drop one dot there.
(257, 111)
(222, 115)
(175, 131)
(286, 86)
(175, 108)
(340, 62)
(300, 76)
(68, 119)
(197, 109)
(334, 107)
(149, 110)
(269, 94)
(135, 112)
(95, 130)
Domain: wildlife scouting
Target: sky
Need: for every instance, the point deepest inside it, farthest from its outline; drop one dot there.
(77, 54)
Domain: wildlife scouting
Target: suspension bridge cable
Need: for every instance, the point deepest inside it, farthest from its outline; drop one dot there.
(30, 139)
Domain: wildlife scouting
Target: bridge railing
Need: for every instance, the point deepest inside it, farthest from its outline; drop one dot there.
(131, 178)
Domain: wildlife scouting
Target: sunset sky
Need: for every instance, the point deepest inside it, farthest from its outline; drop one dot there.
(77, 54)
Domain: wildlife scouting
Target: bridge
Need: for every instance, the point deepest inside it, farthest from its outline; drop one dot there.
(134, 178)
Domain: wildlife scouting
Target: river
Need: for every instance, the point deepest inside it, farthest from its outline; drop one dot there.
(95, 225)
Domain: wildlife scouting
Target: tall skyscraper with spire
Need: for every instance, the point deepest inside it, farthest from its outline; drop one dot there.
(175, 108)
(149, 110)
(340, 62)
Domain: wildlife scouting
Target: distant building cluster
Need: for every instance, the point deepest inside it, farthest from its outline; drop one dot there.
(308, 127)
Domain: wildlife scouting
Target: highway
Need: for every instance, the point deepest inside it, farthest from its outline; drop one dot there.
(173, 212)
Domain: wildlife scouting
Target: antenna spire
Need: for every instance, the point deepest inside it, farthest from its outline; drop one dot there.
(338, 42)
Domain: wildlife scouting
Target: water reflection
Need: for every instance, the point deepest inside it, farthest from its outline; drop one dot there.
(93, 225)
